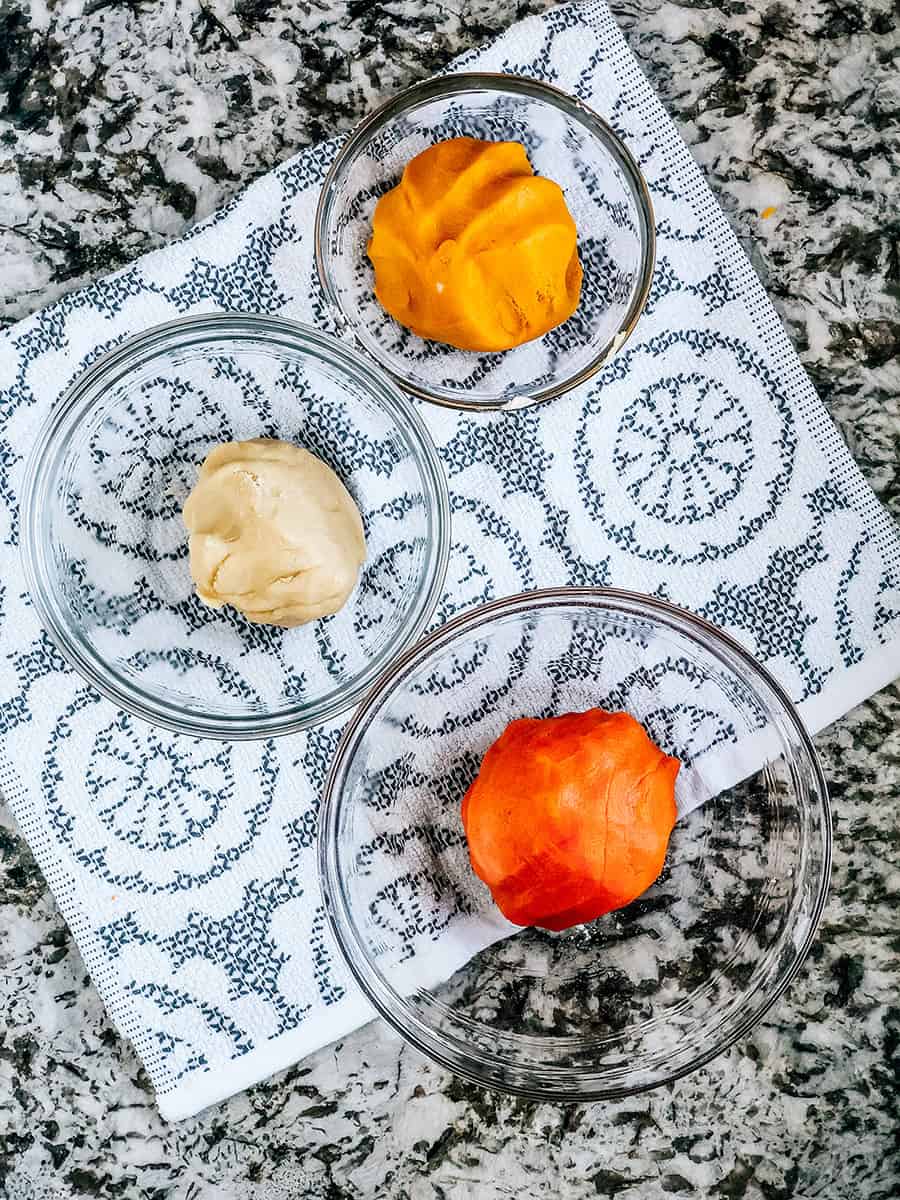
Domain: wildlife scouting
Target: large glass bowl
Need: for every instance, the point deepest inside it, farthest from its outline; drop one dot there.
(566, 142)
(641, 995)
(105, 548)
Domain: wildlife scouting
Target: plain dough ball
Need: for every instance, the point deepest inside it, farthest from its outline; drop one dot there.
(274, 532)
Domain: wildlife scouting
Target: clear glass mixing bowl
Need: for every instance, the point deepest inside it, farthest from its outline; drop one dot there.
(105, 548)
(641, 995)
(566, 142)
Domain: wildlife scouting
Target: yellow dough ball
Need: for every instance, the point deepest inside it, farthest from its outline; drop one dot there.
(473, 249)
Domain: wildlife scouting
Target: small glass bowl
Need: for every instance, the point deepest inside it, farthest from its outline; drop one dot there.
(566, 142)
(105, 548)
(642, 995)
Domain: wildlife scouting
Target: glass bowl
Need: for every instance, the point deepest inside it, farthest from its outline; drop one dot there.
(105, 548)
(642, 995)
(566, 142)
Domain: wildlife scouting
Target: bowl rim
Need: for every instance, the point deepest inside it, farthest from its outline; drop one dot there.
(389, 1004)
(453, 84)
(88, 389)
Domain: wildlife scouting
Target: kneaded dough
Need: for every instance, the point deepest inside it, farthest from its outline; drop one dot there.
(274, 532)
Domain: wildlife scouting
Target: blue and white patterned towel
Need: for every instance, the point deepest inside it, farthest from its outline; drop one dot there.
(203, 928)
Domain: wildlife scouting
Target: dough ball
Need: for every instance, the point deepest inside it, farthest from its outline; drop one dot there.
(274, 532)
(472, 249)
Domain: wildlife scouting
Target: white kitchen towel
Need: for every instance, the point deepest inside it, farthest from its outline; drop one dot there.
(205, 934)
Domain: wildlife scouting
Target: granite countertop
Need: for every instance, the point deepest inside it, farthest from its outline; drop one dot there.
(126, 121)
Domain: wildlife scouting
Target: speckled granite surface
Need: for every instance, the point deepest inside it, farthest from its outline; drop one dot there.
(124, 122)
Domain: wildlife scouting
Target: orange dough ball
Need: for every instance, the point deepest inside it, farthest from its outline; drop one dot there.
(473, 249)
(569, 817)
